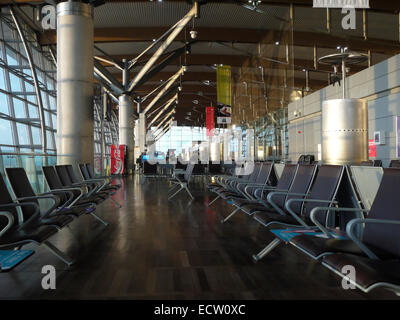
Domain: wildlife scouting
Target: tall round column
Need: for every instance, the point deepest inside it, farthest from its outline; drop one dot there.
(126, 126)
(75, 141)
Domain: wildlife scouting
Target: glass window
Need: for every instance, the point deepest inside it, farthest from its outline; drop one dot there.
(36, 135)
(15, 83)
(5, 132)
(19, 108)
(33, 111)
(2, 80)
(4, 104)
(49, 137)
(11, 57)
(22, 134)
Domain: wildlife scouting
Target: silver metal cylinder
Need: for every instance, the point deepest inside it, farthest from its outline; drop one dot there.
(126, 125)
(75, 141)
(344, 131)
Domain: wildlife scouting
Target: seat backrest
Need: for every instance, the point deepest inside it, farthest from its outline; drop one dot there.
(53, 181)
(368, 163)
(63, 175)
(394, 164)
(325, 187)
(301, 184)
(284, 183)
(265, 172)
(90, 170)
(71, 173)
(301, 159)
(189, 171)
(84, 172)
(5, 198)
(385, 207)
(22, 188)
(377, 163)
(256, 171)
(309, 159)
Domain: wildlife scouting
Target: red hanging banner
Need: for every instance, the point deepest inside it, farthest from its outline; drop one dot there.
(210, 121)
(371, 148)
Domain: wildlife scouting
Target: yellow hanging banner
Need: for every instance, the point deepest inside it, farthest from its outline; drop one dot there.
(224, 85)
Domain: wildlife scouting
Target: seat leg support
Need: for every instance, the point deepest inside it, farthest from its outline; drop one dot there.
(188, 191)
(214, 200)
(99, 219)
(173, 188)
(180, 189)
(271, 246)
(116, 203)
(230, 215)
(58, 253)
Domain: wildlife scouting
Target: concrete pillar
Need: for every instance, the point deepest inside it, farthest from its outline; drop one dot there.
(75, 83)
(126, 126)
(142, 132)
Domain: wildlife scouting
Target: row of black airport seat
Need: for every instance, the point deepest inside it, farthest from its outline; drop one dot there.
(305, 197)
(71, 198)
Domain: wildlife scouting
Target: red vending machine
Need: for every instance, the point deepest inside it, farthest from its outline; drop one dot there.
(118, 159)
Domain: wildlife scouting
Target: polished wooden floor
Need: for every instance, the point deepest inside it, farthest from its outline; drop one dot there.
(160, 249)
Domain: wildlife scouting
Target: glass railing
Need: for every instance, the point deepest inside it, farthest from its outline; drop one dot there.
(31, 162)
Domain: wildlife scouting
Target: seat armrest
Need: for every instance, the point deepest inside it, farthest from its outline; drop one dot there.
(21, 221)
(39, 197)
(10, 221)
(294, 215)
(351, 233)
(274, 205)
(320, 226)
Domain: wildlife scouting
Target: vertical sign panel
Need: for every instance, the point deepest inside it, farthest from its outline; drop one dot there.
(224, 94)
(371, 148)
(210, 121)
(224, 85)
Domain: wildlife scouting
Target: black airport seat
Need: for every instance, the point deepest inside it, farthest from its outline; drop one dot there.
(394, 164)
(23, 191)
(92, 176)
(380, 243)
(300, 186)
(78, 203)
(322, 193)
(16, 230)
(371, 163)
(248, 189)
(283, 185)
(66, 181)
(181, 183)
(236, 187)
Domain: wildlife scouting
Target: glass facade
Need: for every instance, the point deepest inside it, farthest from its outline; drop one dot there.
(20, 127)
(179, 138)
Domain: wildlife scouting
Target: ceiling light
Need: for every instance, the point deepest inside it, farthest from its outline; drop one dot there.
(154, 40)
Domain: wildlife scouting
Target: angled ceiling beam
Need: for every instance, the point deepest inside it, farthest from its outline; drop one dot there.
(166, 89)
(168, 41)
(107, 77)
(156, 69)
